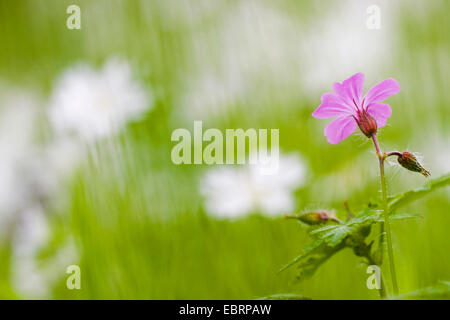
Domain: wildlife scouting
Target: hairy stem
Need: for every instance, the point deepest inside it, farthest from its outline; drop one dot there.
(381, 157)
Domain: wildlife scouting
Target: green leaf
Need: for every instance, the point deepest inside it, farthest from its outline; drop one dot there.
(412, 195)
(305, 252)
(313, 256)
(366, 218)
(323, 229)
(307, 267)
(334, 235)
(439, 291)
(402, 216)
(337, 235)
(331, 239)
(284, 296)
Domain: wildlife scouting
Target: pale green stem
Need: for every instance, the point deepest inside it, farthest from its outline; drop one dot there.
(381, 157)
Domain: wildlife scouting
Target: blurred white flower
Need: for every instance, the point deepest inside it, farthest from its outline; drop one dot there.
(18, 113)
(31, 277)
(30, 173)
(231, 192)
(96, 103)
(31, 234)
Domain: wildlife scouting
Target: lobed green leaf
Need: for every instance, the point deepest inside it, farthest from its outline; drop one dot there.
(402, 216)
(305, 252)
(403, 199)
(439, 291)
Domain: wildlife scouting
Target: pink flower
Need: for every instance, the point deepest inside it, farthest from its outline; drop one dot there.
(353, 110)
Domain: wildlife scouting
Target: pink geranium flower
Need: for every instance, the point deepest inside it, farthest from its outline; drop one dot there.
(352, 110)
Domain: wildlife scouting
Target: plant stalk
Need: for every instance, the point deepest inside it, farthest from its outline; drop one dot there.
(381, 158)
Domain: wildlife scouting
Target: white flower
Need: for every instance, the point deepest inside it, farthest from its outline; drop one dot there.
(231, 192)
(29, 174)
(18, 113)
(96, 103)
(32, 277)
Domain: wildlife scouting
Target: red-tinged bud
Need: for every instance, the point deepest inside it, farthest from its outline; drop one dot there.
(366, 123)
(315, 218)
(409, 161)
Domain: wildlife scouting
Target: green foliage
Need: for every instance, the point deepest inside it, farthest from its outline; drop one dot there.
(439, 291)
(403, 199)
(306, 251)
(403, 216)
(330, 239)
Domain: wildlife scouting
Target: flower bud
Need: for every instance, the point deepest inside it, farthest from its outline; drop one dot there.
(315, 218)
(366, 123)
(409, 161)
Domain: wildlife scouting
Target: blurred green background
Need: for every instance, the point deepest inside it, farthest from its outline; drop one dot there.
(138, 222)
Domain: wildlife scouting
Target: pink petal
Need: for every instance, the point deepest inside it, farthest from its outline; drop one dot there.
(339, 129)
(350, 90)
(381, 91)
(332, 106)
(380, 112)
(342, 93)
(354, 86)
